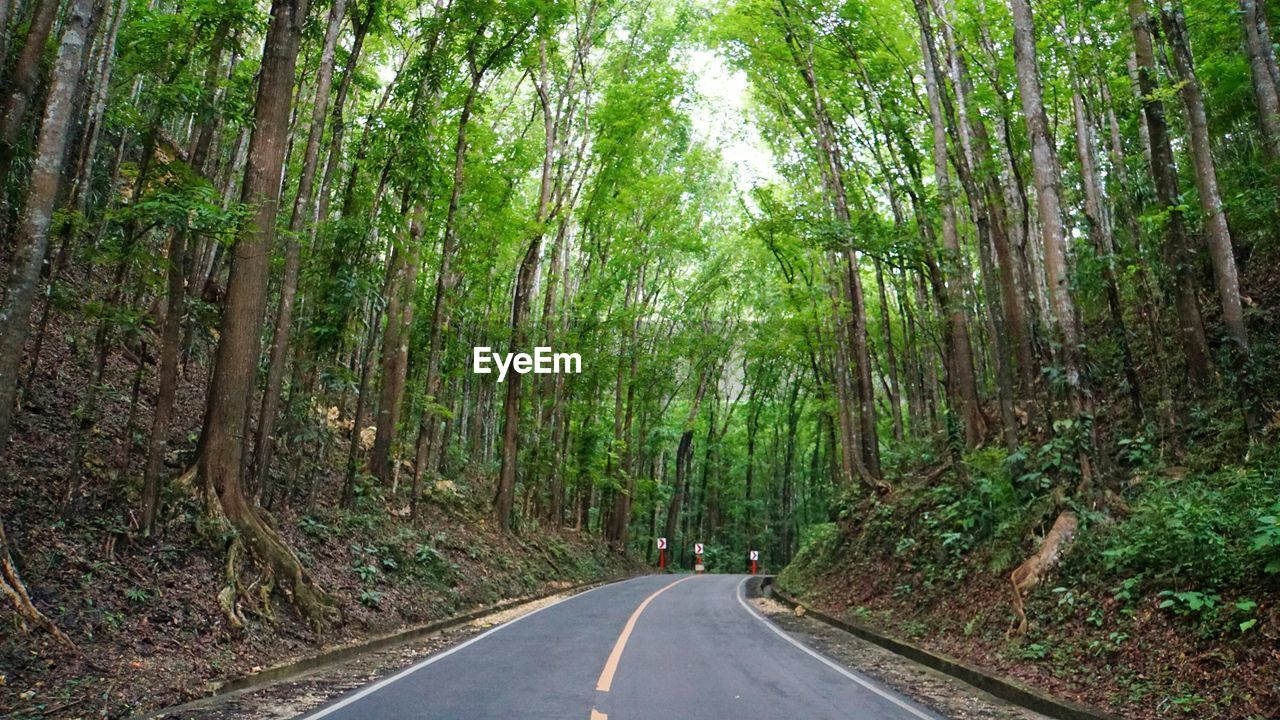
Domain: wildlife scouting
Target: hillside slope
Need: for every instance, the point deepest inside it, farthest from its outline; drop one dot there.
(146, 615)
(1162, 608)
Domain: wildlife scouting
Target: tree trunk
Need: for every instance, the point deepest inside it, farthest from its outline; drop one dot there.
(1268, 47)
(891, 358)
(222, 445)
(684, 452)
(1103, 243)
(166, 393)
(32, 237)
(395, 352)
(851, 284)
(264, 441)
(32, 243)
(1217, 234)
(1267, 95)
(1164, 174)
(1049, 203)
(963, 384)
(440, 314)
(24, 79)
(359, 29)
(505, 494)
(366, 359)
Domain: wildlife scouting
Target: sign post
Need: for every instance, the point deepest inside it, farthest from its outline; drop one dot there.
(755, 555)
(662, 553)
(697, 550)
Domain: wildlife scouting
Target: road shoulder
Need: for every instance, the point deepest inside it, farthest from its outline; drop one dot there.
(946, 695)
(293, 698)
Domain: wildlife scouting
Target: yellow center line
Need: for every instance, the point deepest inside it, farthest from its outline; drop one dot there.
(611, 665)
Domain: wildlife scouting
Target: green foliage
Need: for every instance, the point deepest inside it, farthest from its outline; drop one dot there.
(1266, 538)
(313, 527)
(818, 545)
(1191, 602)
(367, 573)
(1202, 531)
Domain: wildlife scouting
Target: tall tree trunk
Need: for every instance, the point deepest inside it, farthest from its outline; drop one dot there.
(1052, 233)
(891, 358)
(264, 441)
(366, 357)
(32, 242)
(445, 280)
(851, 282)
(684, 452)
(166, 393)
(1267, 95)
(1164, 174)
(101, 90)
(222, 445)
(1048, 200)
(1103, 243)
(556, 122)
(395, 352)
(359, 29)
(23, 82)
(1268, 46)
(963, 384)
(505, 494)
(32, 237)
(1217, 234)
(1008, 301)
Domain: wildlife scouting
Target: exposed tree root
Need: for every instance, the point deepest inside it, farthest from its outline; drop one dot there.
(268, 549)
(229, 595)
(186, 481)
(1031, 572)
(12, 587)
(280, 566)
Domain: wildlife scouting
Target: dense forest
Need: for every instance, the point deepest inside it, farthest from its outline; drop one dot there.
(1010, 274)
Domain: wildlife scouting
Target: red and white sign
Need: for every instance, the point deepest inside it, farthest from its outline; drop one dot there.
(697, 548)
(662, 543)
(755, 555)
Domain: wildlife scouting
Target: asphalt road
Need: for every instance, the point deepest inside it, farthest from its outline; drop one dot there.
(664, 647)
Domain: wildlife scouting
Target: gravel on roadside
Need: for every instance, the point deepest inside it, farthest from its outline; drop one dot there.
(291, 698)
(942, 693)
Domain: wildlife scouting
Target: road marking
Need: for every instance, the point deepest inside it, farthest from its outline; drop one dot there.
(323, 712)
(611, 665)
(597, 715)
(824, 659)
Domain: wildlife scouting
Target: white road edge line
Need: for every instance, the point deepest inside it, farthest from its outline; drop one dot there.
(826, 660)
(329, 710)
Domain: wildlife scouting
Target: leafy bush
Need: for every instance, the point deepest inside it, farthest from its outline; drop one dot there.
(313, 527)
(1191, 602)
(818, 544)
(1266, 539)
(1206, 531)
(432, 564)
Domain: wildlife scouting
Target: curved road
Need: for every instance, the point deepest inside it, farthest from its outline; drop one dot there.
(660, 647)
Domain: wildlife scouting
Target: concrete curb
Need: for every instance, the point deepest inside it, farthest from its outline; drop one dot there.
(1001, 687)
(336, 656)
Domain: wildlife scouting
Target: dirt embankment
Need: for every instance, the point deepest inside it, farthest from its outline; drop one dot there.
(1090, 640)
(145, 614)
(151, 634)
